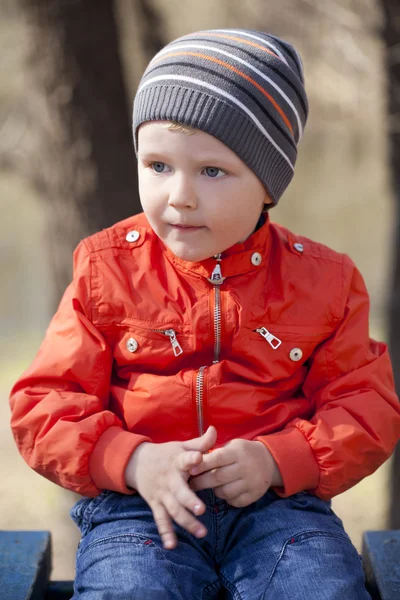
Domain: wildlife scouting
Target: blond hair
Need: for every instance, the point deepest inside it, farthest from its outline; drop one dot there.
(175, 126)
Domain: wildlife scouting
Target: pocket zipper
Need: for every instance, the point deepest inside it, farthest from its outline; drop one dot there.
(171, 333)
(272, 340)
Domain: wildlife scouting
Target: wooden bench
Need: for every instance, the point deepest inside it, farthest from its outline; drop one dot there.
(25, 566)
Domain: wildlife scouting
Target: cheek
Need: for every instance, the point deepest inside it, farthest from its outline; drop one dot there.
(238, 205)
(150, 197)
(237, 219)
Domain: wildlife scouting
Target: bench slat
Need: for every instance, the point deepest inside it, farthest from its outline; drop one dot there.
(25, 564)
(381, 559)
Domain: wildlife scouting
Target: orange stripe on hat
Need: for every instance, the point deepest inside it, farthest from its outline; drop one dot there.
(238, 72)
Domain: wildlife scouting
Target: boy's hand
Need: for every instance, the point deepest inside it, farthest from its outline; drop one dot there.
(240, 472)
(159, 472)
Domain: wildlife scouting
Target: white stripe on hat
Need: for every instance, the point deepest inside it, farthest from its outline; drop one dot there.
(222, 93)
(172, 47)
(254, 37)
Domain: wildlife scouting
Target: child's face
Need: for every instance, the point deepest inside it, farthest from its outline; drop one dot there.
(198, 195)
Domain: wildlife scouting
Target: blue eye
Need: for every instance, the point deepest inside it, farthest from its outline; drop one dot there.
(158, 167)
(213, 171)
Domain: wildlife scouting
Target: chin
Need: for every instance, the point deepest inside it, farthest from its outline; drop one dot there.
(188, 254)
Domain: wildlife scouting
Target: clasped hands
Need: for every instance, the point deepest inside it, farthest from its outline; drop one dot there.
(168, 475)
(240, 472)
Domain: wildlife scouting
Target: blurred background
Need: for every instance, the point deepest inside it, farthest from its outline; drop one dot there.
(68, 75)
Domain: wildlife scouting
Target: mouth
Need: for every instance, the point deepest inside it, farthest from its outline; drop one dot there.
(181, 227)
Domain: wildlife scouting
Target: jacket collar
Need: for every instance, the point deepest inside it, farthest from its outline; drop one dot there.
(236, 260)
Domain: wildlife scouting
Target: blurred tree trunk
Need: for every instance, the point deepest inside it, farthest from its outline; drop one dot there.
(152, 28)
(80, 154)
(391, 34)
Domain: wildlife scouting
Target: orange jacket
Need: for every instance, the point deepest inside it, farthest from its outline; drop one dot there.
(269, 343)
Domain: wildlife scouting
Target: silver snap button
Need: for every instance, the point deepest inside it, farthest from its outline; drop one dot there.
(298, 247)
(132, 345)
(296, 354)
(132, 236)
(256, 259)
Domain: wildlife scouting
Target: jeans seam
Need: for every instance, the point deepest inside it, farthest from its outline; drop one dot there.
(231, 587)
(310, 533)
(109, 538)
(211, 588)
(217, 522)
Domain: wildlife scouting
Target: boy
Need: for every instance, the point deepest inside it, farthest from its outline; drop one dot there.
(208, 381)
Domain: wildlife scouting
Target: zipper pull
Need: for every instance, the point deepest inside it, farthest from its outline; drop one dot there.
(174, 342)
(216, 276)
(271, 339)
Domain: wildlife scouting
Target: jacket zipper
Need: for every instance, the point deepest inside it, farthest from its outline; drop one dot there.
(171, 333)
(217, 279)
(217, 323)
(272, 340)
(199, 399)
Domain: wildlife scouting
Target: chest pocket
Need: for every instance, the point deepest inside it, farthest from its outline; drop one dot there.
(279, 352)
(159, 350)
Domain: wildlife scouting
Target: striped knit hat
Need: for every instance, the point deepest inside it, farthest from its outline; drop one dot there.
(244, 87)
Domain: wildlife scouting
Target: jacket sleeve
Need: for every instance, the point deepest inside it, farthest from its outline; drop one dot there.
(60, 417)
(354, 423)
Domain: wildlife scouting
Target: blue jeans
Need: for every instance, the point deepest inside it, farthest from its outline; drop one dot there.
(293, 548)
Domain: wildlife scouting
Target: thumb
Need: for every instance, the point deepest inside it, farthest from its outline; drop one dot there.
(203, 443)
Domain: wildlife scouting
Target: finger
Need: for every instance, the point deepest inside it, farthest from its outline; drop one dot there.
(165, 527)
(188, 499)
(231, 491)
(188, 459)
(242, 500)
(203, 443)
(217, 459)
(215, 477)
(183, 517)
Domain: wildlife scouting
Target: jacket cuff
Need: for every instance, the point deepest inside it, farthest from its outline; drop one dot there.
(295, 459)
(110, 456)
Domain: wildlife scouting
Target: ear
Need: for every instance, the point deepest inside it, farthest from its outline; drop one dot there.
(268, 203)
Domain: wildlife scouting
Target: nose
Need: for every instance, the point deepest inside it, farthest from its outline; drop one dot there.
(182, 192)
